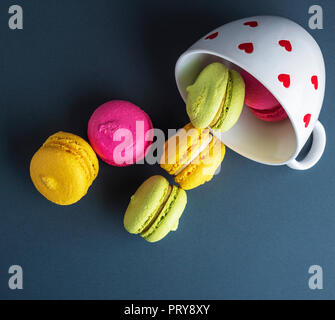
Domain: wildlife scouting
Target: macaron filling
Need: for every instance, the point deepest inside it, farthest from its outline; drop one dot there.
(174, 165)
(225, 104)
(204, 166)
(195, 154)
(151, 218)
(161, 213)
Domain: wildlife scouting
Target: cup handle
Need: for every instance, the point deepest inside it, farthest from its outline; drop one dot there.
(316, 151)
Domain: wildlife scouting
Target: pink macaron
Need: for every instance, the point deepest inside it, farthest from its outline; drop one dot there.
(261, 101)
(119, 133)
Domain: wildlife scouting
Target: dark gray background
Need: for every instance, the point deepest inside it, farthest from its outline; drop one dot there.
(252, 232)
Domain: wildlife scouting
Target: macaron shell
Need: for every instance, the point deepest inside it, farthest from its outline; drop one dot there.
(261, 101)
(271, 115)
(180, 148)
(257, 96)
(206, 94)
(168, 219)
(234, 102)
(58, 176)
(63, 168)
(202, 169)
(113, 135)
(144, 203)
(76, 145)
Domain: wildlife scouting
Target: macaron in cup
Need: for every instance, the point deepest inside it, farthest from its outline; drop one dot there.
(286, 59)
(216, 98)
(261, 101)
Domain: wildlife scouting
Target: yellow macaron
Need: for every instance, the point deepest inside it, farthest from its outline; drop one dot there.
(192, 156)
(202, 169)
(64, 168)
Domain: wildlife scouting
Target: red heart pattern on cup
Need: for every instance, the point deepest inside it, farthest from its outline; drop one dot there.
(314, 80)
(286, 44)
(252, 24)
(212, 36)
(307, 119)
(248, 47)
(284, 78)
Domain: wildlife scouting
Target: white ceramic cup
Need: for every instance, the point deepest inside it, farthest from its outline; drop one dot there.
(288, 62)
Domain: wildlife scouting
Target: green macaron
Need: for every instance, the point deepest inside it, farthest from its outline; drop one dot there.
(155, 208)
(216, 98)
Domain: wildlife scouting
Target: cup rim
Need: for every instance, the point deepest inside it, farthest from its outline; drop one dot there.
(211, 52)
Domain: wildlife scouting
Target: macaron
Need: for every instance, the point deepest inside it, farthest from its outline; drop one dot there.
(64, 168)
(192, 156)
(120, 133)
(261, 101)
(271, 115)
(155, 209)
(216, 98)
